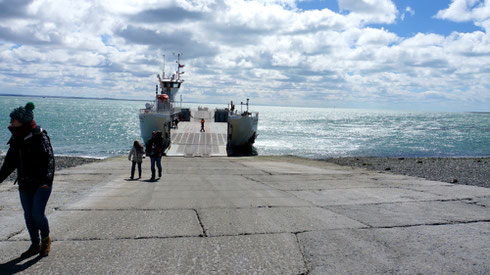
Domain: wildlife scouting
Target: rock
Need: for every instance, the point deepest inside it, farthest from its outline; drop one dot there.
(387, 169)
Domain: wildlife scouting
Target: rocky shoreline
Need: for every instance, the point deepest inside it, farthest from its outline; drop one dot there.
(467, 171)
(61, 162)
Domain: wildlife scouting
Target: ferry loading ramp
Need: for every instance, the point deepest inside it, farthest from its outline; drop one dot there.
(188, 141)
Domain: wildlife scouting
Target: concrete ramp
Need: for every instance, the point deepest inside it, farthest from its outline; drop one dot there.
(188, 141)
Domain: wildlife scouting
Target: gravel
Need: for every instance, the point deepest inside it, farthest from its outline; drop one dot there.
(467, 171)
(61, 162)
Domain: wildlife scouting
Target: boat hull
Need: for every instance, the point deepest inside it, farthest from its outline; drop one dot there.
(153, 121)
(242, 130)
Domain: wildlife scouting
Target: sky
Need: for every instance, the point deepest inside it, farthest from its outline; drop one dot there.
(372, 54)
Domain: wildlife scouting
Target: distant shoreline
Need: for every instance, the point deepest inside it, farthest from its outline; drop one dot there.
(75, 97)
(225, 103)
(103, 98)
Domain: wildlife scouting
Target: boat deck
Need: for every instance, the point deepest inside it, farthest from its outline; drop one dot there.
(188, 141)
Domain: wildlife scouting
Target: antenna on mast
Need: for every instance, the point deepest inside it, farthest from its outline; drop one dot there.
(178, 65)
(163, 71)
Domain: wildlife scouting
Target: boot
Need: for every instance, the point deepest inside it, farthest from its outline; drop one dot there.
(45, 246)
(33, 250)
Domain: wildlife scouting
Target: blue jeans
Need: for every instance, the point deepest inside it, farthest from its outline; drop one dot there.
(158, 161)
(133, 168)
(34, 205)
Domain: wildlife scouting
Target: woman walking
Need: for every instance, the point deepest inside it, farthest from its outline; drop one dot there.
(31, 154)
(155, 151)
(136, 157)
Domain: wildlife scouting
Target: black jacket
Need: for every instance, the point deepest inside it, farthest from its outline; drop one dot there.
(33, 158)
(154, 147)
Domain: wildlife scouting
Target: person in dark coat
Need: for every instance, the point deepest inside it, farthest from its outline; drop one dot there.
(31, 154)
(154, 149)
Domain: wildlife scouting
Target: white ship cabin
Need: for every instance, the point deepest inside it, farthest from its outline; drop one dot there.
(170, 88)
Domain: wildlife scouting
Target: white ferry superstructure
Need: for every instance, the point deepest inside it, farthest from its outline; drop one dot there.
(159, 115)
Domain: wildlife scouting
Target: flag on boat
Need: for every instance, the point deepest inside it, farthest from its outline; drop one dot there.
(181, 65)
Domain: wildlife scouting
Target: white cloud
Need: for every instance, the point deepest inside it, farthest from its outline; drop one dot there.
(234, 48)
(408, 10)
(477, 11)
(370, 11)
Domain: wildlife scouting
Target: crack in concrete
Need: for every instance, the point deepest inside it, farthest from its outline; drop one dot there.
(204, 233)
(344, 215)
(428, 224)
(114, 239)
(260, 233)
(301, 250)
(14, 234)
(252, 168)
(328, 189)
(279, 190)
(393, 202)
(179, 209)
(471, 202)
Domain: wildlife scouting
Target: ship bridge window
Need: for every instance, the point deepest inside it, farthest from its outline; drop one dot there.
(176, 85)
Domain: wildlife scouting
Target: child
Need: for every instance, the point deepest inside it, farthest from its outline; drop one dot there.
(137, 153)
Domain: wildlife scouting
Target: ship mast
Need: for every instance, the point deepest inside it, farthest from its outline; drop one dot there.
(163, 70)
(179, 66)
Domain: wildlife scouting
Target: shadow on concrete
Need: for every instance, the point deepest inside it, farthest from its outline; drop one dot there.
(15, 265)
(150, 180)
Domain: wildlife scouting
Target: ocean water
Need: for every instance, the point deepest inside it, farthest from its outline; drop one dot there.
(104, 128)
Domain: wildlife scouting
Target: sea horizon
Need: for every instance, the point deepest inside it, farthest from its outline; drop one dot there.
(225, 104)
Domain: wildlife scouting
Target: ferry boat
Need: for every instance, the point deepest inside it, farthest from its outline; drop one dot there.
(161, 113)
(239, 129)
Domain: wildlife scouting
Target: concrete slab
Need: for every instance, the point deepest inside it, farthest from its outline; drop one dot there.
(485, 202)
(291, 168)
(211, 172)
(149, 202)
(219, 222)
(10, 200)
(234, 197)
(106, 225)
(11, 223)
(303, 182)
(452, 191)
(407, 181)
(135, 185)
(445, 249)
(8, 186)
(209, 189)
(413, 213)
(256, 254)
(362, 196)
